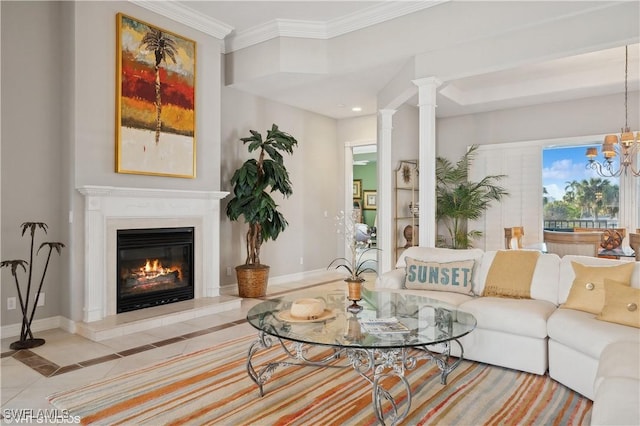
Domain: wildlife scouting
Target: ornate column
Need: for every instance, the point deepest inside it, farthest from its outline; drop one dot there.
(427, 159)
(385, 200)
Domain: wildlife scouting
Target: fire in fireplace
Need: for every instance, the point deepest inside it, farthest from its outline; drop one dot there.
(155, 267)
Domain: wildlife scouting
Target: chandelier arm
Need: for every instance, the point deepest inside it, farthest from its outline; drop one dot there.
(604, 170)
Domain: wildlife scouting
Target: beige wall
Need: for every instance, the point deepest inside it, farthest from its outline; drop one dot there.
(33, 164)
(315, 169)
(581, 117)
(58, 107)
(58, 134)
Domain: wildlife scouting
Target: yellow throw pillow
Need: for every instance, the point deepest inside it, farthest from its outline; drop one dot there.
(621, 304)
(510, 274)
(449, 276)
(587, 290)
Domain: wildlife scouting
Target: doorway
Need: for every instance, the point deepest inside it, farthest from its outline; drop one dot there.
(365, 178)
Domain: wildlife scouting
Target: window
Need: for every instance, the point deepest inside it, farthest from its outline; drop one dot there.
(574, 196)
(522, 165)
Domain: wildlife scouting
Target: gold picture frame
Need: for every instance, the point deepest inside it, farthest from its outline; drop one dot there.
(357, 189)
(370, 200)
(155, 100)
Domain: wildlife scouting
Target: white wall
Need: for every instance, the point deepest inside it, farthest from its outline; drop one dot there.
(589, 116)
(405, 139)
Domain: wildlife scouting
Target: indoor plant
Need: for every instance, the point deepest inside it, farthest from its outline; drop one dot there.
(252, 184)
(356, 264)
(25, 296)
(459, 200)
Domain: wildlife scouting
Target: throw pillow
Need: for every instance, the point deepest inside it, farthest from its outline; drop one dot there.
(587, 291)
(450, 276)
(511, 273)
(621, 304)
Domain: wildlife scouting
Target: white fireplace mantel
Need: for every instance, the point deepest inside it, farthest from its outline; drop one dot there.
(109, 208)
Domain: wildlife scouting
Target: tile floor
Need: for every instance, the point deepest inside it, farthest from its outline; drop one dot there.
(68, 361)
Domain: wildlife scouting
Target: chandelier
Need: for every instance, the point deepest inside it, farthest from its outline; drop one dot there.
(625, 147)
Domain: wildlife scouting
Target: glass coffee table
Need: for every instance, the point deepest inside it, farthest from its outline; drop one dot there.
(387, 337)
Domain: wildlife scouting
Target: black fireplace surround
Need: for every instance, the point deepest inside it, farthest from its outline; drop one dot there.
(154, 267)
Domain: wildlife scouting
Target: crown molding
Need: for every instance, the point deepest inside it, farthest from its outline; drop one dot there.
(326, 30)
(187, 16)
(377, 14)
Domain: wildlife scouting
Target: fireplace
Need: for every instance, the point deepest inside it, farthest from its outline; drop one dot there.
(155, 266)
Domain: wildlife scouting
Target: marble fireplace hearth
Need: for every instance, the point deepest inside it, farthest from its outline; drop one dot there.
(109, 209)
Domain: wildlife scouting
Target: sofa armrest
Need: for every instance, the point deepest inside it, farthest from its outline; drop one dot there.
(393, 280)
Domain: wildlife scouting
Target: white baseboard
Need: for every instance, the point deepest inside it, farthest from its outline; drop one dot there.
(13, 330)
(289, 279)
(299, 276)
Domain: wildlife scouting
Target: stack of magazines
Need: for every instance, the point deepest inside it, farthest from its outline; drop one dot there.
(383, 325)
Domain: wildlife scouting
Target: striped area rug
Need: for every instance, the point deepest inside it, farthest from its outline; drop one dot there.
(212, 387)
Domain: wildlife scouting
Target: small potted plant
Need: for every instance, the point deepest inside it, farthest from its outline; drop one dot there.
(357, 264)
(252, 184)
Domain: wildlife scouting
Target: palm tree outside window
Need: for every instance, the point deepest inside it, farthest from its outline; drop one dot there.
(573, 196)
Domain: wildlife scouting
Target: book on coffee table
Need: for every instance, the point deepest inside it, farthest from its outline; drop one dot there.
(383, 325)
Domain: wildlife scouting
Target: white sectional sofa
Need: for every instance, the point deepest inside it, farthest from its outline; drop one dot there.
(538, 335)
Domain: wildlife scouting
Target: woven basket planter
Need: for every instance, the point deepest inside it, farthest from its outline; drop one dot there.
(252, 280)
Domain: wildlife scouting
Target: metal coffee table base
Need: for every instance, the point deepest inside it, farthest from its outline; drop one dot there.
(374, 365)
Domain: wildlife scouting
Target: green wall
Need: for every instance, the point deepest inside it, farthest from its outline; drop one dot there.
(369, 177)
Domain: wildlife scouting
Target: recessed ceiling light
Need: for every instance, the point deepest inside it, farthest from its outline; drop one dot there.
(356, 109)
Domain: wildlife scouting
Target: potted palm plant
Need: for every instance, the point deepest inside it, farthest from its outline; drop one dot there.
(460, 200)
(252, 185)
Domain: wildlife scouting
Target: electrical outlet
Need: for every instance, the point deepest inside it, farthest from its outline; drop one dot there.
(229, 271)
(11, 303)
(302, 260)
(41, 300)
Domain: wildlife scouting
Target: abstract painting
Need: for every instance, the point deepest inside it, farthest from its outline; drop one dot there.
(155, 101)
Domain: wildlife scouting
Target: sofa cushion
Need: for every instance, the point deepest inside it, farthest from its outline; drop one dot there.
(567, 274)
(511, 273)
(587, 290)
(442, 255)
(582, 332)
(448, 276)
(523, 317)
(616, 402)
(621, 304)
(619, 359)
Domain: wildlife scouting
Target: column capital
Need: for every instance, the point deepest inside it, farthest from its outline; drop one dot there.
(426, 81)
(387, 112)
